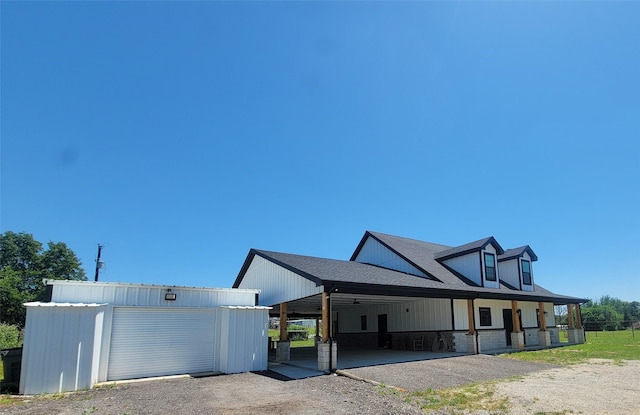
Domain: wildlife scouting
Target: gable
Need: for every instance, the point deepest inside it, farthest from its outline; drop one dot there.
(276, 283)
(375, 253)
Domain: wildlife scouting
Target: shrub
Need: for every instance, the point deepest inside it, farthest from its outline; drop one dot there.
(10, 336)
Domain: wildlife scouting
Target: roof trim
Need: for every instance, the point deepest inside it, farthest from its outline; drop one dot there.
(368, 234)
(518, 252)
(465, 249)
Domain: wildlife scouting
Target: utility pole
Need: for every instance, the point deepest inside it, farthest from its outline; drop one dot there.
(99, 264)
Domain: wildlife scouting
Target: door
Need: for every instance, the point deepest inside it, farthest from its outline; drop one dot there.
(507, 317)
(160, 341)
(383, 338)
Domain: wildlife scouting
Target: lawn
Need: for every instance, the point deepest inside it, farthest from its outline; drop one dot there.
(308, 342)
(616, 345)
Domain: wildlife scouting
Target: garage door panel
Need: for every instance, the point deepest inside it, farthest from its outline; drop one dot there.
(155, 342)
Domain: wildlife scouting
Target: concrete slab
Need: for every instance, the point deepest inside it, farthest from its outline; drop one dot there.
(293, 372)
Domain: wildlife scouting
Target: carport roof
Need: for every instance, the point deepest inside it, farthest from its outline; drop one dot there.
(358, 278)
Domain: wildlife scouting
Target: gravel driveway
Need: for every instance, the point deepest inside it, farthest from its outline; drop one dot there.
(586, 389)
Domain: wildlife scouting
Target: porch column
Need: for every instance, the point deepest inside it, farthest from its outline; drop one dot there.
(570, 316)
(578, 317)
(325, 317)
(517, 336)
(283, 351)
(470, 338)
(544, 337)
(575, 332)
(327, 350)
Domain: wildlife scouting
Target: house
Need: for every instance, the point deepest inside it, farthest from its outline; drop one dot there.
(91, 332)
(470, 298)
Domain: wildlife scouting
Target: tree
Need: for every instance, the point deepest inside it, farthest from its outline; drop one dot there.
(23, 265)
(601, 317)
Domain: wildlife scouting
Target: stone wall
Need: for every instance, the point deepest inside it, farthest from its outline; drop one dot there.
(491, 339)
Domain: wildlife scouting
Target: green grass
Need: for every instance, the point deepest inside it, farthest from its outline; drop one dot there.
(275, 335)
(475, 396)
(615, 345)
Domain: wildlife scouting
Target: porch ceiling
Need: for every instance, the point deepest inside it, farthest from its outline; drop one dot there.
(312, 306)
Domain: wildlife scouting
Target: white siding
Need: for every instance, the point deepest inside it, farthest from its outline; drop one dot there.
(277, 284)
(467, 265)
(425, 314)
(373, 252)
(461, 314)
(147, 295)
(509, 272)
(496, 307)
(244, 335)
(551, 315)
(159, 341)
(529, 313)
(61, 347)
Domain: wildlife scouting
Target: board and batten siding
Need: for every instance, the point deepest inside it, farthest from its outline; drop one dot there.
(374, 253)
(61, 347)
(461, 315)
(496, 307)
(147, 295)
(509, 272)
(426, 314)
(160, 341)
(467, 265)
(277, 284)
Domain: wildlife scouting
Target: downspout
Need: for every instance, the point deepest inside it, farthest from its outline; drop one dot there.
(475, 330)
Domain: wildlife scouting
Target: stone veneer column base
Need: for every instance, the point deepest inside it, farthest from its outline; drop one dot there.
(283, 351)
(576, 336)
(544, 338)
(323, 357)
(517, 340)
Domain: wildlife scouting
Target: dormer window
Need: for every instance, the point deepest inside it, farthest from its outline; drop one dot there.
(526, 272)
(489, 266)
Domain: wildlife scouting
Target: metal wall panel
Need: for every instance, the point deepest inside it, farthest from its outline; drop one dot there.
(467, 265)
(61, 347)
(148, 295)
(509, 272)
(461, 314)
(277, 284)
(496, 307)
(373, 252)
(158, 341)
(424, 314)
(243, 339)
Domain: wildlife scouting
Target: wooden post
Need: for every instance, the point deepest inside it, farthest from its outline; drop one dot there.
(578, 317)
(284, 336)
(325, 317)
(472, 323)
(543, 318)
(514, 316)
(570, 315)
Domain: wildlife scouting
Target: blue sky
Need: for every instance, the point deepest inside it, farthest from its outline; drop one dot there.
(181, 135)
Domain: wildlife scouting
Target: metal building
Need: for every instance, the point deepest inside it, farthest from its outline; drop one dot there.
(92, 332)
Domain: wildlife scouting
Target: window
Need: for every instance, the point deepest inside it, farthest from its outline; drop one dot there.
(489, 267)
(485, 316)
(526, 272)
(363, 322)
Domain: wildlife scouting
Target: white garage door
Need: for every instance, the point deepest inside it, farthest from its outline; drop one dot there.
(159, 341)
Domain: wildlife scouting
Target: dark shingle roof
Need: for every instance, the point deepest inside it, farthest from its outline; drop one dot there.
(470, 247)
(364, 278)
(518, 252)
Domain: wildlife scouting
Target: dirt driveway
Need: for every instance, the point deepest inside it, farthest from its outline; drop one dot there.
(599, 388)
